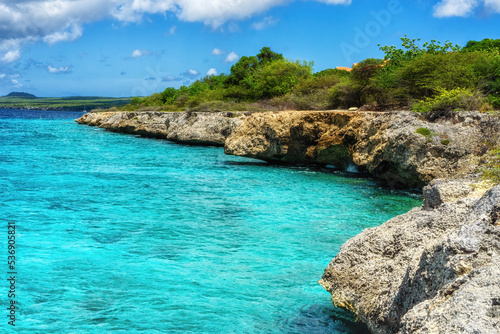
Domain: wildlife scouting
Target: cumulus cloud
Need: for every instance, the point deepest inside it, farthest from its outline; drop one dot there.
(463, 8)
(23, 22)
(455, 8)
(140, 53)
(212, 71)
(232, 57)
(11, 56)
(72, 33)
(60, 70)
(493, 4)
(218, 52)
(191, 74)
(53, 21)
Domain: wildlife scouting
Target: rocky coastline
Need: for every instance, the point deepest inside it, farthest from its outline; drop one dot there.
(183, 127)
(434, 269)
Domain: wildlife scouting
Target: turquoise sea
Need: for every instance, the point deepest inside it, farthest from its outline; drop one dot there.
(121, 234)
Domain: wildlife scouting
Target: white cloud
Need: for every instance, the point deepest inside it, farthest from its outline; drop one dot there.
(191, 73)
(213, 13)
(15, 83)
(212, 71)
(493, 4)
(172, 30)
(140, 53)
(464, 8)
(218, 52)
(70, 34)
(232, 57)
(2, 76)
(265, 23)
(52, 21)
(447, 8)
(11, 56)
(61, 69)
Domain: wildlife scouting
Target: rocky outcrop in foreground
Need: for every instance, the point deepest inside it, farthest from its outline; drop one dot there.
(435, 269)
(201, 128)
(398, 147)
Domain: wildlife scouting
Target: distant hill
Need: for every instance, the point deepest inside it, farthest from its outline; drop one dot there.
(20, 94)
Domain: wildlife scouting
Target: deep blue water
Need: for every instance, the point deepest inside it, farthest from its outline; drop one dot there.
(117, 233)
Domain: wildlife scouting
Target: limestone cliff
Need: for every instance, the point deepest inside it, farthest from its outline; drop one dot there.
(398, 147)
(435, 269)
(202, 128)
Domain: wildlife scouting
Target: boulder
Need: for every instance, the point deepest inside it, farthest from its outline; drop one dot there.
(432, 270)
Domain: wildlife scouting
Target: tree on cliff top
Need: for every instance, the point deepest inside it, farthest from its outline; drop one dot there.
(486, 44)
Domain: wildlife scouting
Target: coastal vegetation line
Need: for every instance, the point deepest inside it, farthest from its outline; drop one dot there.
(423, 77)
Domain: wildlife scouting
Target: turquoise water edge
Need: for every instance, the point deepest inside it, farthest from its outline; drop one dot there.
(117, 233)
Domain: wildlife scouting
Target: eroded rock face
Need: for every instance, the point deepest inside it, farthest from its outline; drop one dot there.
(195, 128)
(387, 145)
(427, 271)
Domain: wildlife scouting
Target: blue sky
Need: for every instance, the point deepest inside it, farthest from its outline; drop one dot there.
(138, 47)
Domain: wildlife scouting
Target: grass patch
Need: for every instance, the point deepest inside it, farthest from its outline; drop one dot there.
(424, 132)
(491, 168)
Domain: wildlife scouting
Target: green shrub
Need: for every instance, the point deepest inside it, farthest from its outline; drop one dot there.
(277, 78)
(494, 100)
(424, 132)
(313, 84)
(445, 141)
(454, 99)
(345, 95)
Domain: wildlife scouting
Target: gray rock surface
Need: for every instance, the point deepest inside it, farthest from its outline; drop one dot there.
(440, 191)
(427, 271)
(203, 128)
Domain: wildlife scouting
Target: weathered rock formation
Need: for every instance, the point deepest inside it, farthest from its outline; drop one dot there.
(202, 128)
(387, 145)
(431, 270)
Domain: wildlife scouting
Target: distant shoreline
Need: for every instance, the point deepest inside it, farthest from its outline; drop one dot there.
(41, 108)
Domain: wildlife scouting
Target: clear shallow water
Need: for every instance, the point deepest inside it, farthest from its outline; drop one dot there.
(117, 233)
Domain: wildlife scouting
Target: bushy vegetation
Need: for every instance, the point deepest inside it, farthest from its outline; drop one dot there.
(430, 77)
(491, 168)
